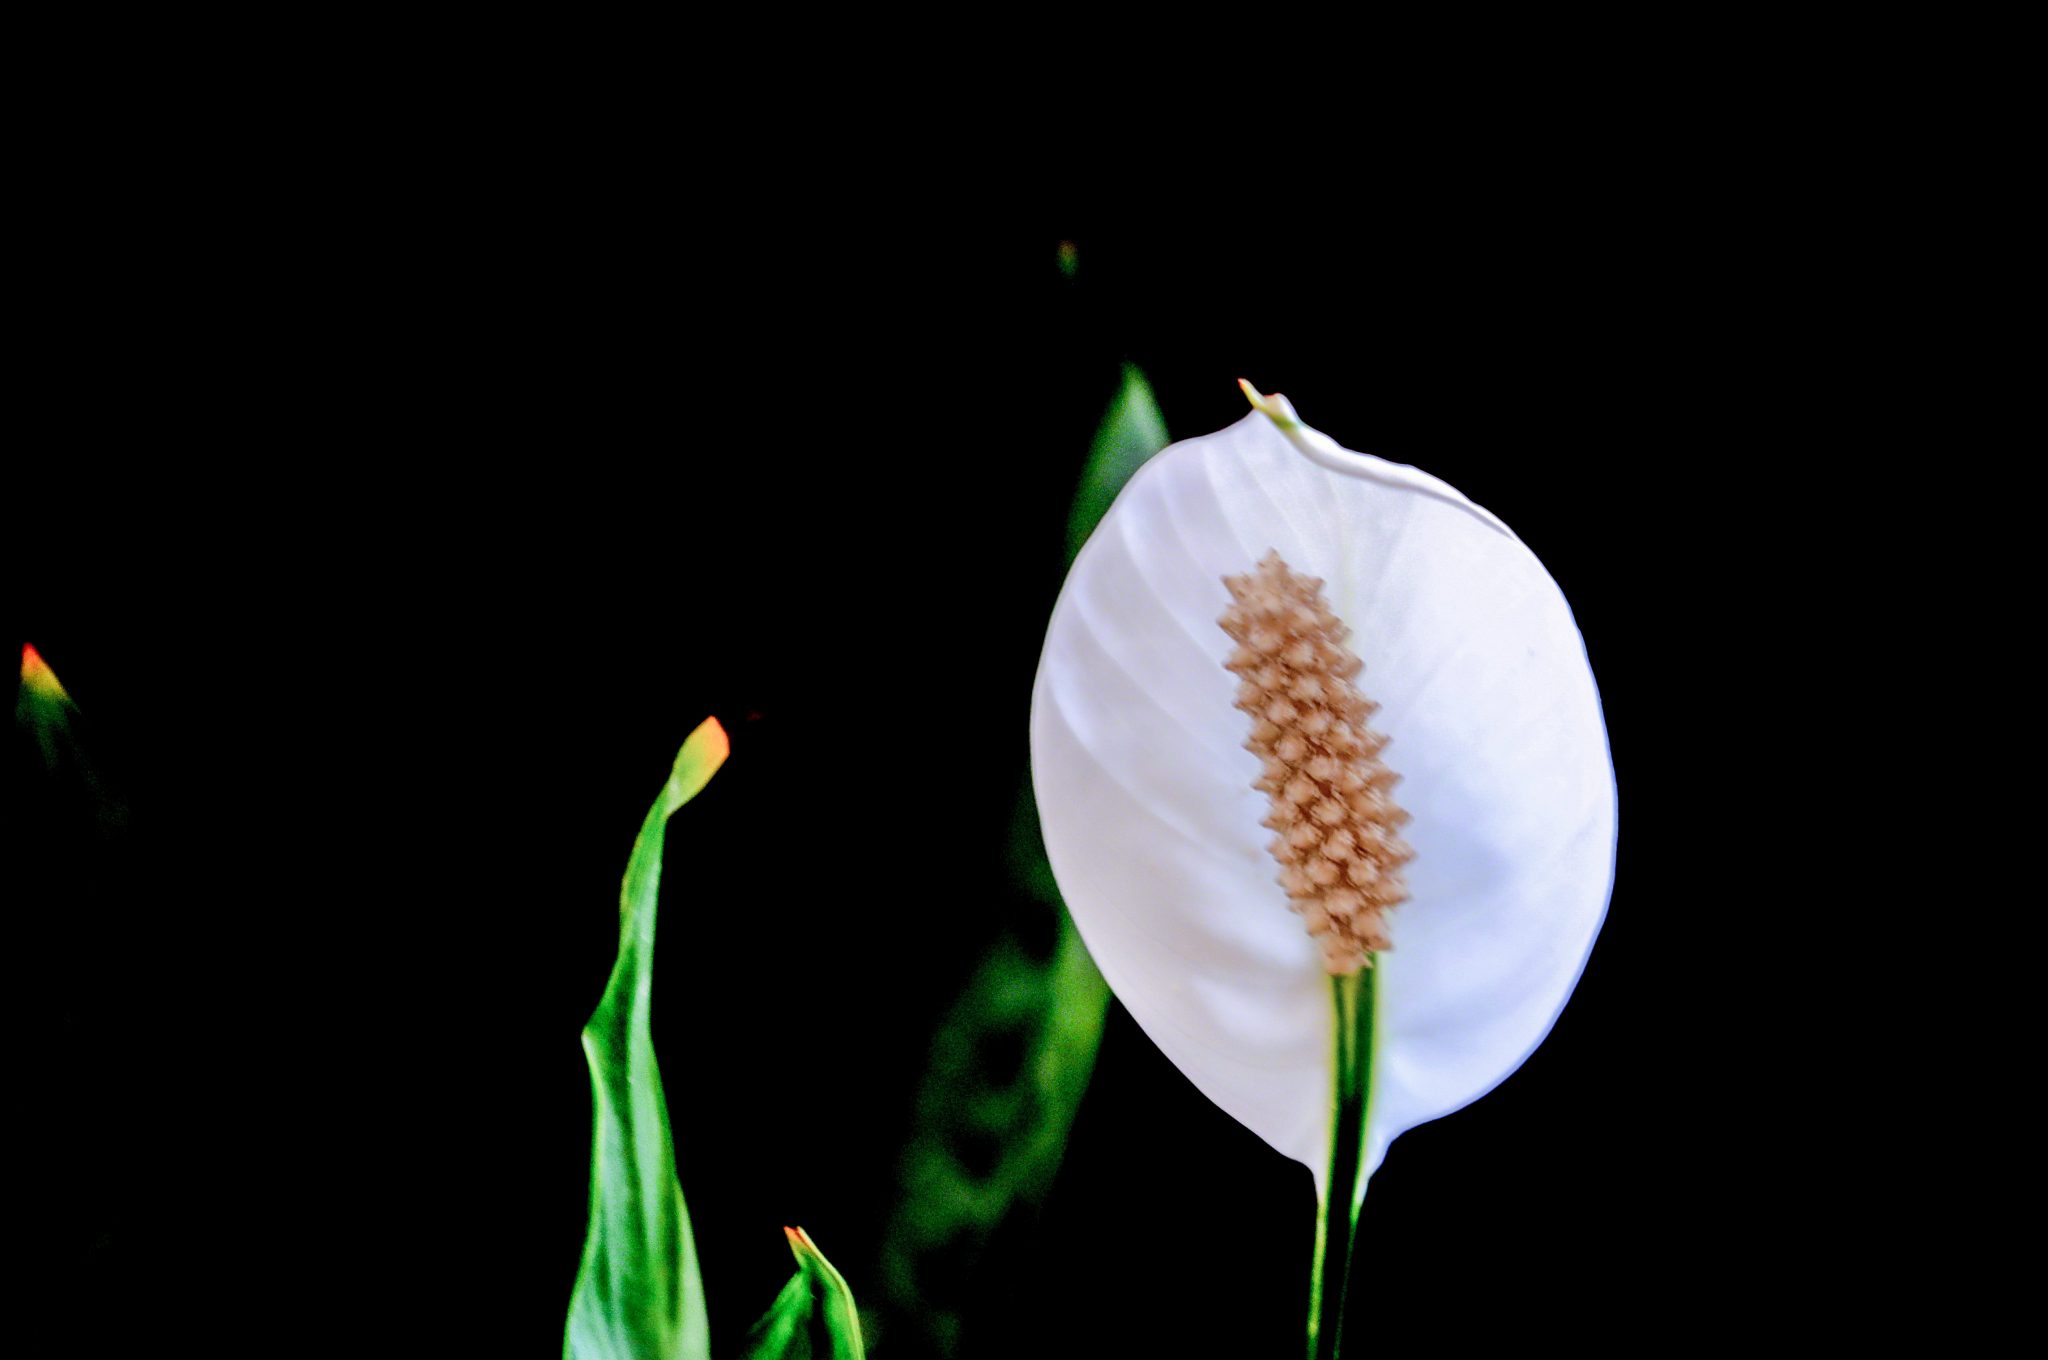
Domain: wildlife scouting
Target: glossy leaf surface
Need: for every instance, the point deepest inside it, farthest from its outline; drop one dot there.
(638, 1294)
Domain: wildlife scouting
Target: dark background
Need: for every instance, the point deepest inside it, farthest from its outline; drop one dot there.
(391, 531)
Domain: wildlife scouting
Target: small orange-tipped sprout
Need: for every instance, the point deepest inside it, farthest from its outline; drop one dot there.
(37, 676)
(41, 707)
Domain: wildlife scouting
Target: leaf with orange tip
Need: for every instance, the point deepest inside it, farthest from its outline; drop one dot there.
(46, 716)
(813, 1318)
(639, 1294)
(41, 707)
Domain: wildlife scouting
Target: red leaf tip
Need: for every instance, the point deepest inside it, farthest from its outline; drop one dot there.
(36, 673)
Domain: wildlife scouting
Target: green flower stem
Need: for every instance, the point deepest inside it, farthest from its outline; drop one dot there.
(1337, 1217)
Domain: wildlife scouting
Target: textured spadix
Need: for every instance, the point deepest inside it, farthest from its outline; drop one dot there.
(1152, 823)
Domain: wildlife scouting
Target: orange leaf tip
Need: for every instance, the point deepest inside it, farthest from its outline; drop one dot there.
(711, 740)
(36, 674)
(703, 752)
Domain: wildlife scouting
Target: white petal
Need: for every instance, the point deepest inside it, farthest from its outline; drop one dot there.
(1152, 825)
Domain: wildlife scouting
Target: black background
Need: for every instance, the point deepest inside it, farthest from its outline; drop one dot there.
(391, 531)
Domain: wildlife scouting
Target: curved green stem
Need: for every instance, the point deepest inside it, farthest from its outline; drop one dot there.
(1344, 1194)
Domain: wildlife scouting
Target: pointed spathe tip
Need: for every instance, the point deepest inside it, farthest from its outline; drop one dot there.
(1276, 407)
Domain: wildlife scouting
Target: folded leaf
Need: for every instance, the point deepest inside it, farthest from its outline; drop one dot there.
(813, 1318)
(638, 1295)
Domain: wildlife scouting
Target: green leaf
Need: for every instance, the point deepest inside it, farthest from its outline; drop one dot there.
(1012, 1057)
(638, 1295)
(1132, 430)
(813, 1318)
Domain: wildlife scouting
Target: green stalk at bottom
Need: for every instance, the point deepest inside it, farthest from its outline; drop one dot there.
(1344, 1194)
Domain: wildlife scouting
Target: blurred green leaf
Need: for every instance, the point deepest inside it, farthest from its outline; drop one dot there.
(638, 1294)
(42, 708)
(1132, 430)
(813, 1318)
(47, 715)
(1012, 1057)
(97, 1051)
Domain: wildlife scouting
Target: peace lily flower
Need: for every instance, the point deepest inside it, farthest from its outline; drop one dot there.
(1228, 831)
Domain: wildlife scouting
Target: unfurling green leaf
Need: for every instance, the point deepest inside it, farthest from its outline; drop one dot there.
(638, 1295)
(813, 1318)
(1012, 1058)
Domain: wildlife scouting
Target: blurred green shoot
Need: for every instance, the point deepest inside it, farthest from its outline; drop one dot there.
(638, 1293)
(44, 711)
(1012, 1057)
(41, 707)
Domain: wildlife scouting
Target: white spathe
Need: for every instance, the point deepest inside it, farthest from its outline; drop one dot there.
(1152, 825)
